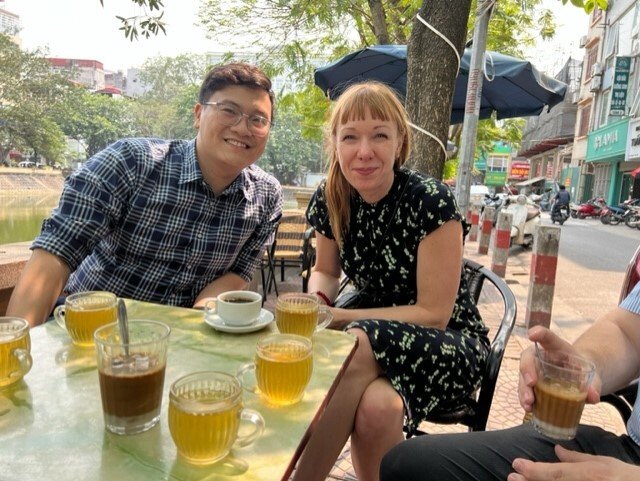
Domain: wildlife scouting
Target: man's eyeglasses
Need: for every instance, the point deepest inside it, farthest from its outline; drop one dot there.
(230, 115)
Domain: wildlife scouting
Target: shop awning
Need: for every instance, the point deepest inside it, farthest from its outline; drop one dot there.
(525, 183)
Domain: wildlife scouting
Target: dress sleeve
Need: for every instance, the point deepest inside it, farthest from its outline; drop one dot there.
(318, 214)
(433, 204)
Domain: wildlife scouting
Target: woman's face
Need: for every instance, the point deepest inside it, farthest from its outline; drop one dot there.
(366, 152)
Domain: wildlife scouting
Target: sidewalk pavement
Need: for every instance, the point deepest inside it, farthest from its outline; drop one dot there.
(505, 410)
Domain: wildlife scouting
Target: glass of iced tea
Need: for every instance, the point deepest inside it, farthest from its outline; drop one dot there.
(15, 348)
(205, 411)
(84, 312)
(301, 314)
(283, 366)
(132, 375)
(560, 393)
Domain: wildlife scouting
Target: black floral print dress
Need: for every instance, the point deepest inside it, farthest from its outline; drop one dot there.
(431, 369)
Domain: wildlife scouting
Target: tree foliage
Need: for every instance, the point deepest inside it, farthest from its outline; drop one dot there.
(28, 90)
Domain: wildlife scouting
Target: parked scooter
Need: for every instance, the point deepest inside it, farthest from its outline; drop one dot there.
(633, 218)
(591, 208)
(526, 216)
(615, 214)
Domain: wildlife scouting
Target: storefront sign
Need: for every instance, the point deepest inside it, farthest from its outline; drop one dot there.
(519, 170)
(633, 145)
(495, 178)
(620, 86)
(608, 143)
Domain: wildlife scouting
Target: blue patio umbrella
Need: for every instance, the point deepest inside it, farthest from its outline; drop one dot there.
(515, 89)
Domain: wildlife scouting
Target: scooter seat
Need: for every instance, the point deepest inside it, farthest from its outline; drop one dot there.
(532, 213)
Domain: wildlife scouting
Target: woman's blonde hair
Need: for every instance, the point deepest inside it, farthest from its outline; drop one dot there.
(355, 102)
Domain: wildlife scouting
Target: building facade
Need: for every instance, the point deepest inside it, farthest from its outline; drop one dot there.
(89, 73)
(610, 96)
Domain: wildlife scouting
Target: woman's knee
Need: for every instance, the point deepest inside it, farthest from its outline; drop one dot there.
(380, 410)
(363, 359)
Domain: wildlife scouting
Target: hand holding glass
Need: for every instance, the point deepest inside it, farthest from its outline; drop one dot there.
(560, 393)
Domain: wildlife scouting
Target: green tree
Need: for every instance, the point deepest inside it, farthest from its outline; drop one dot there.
(288, 154)
(166, 109)
(28, 90)
(94, 120)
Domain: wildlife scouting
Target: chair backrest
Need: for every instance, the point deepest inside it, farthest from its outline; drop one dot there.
(477, 275)
(289, 241)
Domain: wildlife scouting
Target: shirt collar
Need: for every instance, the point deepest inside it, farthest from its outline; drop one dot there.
(191, 172)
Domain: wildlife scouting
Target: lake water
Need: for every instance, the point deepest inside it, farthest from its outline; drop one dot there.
(21, 218)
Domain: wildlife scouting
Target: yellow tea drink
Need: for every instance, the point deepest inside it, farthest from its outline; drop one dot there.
(15, 347)
(297, 314)
(204, 437)
(205, 411)
(283, 369)
(85, 312)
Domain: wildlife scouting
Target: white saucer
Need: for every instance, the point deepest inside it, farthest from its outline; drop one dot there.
(264, 319)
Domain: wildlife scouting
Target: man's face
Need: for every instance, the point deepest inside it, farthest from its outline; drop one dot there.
(232, 147)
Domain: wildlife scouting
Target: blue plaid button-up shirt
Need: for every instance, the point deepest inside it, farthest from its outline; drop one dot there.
(139, 220)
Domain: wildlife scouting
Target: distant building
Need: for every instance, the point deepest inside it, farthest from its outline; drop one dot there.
(89, 73)
(9, 24)
(133, 85)
(115, 79)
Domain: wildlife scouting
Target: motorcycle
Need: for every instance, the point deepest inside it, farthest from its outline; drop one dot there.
(497, 201)
(559, 214)
(633, 218)
(591, 208)
(526, 216)
(615, 214)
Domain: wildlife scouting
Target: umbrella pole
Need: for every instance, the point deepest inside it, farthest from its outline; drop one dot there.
(472, 104)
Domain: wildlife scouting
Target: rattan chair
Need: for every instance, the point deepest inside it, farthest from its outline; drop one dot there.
(287, 249)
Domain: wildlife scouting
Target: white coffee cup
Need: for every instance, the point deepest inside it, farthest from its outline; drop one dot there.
(236, 308)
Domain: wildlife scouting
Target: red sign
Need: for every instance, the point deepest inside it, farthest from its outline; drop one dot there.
(519, 170)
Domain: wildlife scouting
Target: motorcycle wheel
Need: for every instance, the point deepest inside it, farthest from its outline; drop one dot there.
(605, 219)
(631, 221)
(580, 216)
(574, 214)
(562, 220)
(615, 220)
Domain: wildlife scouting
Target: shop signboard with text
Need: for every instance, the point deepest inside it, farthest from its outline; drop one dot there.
(519, 170)
(608, 143)
(633, 144)
(620, 85)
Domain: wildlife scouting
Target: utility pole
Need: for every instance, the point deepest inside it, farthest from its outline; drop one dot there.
(472, 104)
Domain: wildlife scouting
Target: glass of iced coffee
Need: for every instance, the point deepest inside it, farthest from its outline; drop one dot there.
(132, 375)
(560, 393)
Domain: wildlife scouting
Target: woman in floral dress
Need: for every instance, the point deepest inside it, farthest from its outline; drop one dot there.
(398, 236)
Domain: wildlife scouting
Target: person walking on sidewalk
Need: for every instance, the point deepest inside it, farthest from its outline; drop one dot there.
(398, 235)
(522, 454)
(167, 221)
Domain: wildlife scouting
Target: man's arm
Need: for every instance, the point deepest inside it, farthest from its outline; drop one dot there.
(227, 282)
(41, 282)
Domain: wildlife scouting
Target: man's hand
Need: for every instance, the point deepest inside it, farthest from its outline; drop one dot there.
(574, 466)
(548, 341)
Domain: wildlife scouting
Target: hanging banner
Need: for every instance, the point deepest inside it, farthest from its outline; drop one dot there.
(620, 86)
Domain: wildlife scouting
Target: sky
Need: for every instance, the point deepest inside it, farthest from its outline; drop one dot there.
(84, 29)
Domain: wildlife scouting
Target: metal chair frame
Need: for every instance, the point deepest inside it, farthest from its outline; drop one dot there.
(475, 413)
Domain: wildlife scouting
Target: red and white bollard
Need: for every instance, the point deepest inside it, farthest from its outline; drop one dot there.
(501, 244)
(475, 218)
(486, 226)
(542, 280)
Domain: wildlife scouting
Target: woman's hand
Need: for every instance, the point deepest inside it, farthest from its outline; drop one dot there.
(574, 466)
(528, 377)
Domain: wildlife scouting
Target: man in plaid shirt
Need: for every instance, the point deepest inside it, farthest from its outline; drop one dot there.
(167, 221)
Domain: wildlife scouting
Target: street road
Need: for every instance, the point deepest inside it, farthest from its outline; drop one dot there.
(591, 266)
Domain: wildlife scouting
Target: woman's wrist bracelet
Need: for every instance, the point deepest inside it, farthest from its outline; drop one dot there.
(324, 297)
